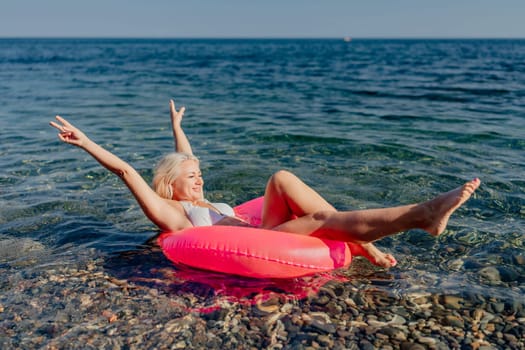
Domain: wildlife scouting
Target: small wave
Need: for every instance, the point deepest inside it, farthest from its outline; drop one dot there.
(431, 96)
(476, 91)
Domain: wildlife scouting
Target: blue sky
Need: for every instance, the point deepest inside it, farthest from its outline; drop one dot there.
(263, 18)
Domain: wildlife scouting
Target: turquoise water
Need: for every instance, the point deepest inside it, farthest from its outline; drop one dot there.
(369, 123)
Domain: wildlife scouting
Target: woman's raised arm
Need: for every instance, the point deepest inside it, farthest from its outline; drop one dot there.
(166, 214)
(182, 144)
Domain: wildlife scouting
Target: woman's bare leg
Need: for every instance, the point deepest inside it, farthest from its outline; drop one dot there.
(287, 196)
(365, 226)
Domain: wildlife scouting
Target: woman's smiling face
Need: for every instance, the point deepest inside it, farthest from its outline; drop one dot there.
(188, 186)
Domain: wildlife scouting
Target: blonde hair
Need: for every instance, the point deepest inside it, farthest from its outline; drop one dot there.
(167, 170)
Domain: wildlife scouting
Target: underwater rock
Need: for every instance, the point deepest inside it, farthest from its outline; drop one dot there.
(15, 248)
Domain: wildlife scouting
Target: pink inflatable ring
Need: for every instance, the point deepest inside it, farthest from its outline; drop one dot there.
(253, 252)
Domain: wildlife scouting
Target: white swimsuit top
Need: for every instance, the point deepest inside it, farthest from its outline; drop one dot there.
(202, 216)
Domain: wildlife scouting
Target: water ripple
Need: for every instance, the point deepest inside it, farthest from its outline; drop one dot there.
(368, 124)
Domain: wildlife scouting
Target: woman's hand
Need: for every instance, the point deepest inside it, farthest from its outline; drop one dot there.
(182, 144)
(176, 116)
(68, 133)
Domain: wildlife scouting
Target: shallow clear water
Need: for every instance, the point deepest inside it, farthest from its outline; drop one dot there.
(370, 123)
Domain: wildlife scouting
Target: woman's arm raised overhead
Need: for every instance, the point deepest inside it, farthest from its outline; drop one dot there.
(182, 144)
(166, 214)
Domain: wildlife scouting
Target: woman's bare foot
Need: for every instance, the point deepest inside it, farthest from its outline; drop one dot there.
(372, 254)
(441, 207)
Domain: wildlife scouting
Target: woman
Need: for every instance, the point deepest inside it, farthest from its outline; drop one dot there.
(178, 200)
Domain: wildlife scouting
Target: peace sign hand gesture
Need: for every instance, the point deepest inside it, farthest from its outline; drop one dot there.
(68, 133)
(176, 116)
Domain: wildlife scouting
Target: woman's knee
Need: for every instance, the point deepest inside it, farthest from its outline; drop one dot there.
(323, 215)
(282, 177)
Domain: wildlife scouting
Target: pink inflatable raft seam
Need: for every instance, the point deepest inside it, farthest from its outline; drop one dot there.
(228, 253)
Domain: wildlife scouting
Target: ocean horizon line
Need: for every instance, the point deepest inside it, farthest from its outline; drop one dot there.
(226, 38)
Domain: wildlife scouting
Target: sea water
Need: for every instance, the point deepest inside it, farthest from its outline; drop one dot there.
(367, 123)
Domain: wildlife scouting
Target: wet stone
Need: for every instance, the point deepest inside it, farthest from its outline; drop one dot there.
(359, 300)
(519, 259)
(397, 320)
(322, 300)
(507, 274)
(393, 333)
(426, 340)
(329, 289)
(490, 273)
(453, 302)
(289, 324)
(323, 326)
(497, 307)
(270, 306)
(14, 248)
(325, 341)
(366, 345)
(215, 315)
(49, 330)
(401, 312)
(471, 264)
(510, 338)
(412, 346)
